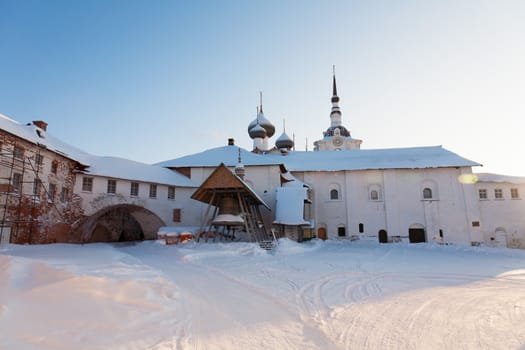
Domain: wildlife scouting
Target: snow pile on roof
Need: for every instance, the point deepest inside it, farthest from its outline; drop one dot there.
(121, 168)
(289, 203)
(35, 135)
(228, 155)
(488, 177)
(393, 158)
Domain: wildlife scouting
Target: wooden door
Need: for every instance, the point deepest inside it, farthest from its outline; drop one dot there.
(321, 233)
(416, 235)
(383, 236)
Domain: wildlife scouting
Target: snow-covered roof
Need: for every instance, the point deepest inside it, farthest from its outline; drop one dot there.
(365, 159)
(121, 168)
(34, 134)
(227, 154)
(290, 206)
(488, 177)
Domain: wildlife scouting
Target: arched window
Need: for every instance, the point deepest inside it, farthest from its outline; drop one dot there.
(334, 194)
(374, 195)
(427, 193)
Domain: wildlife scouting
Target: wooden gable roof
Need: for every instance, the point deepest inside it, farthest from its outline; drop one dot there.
(223, 180)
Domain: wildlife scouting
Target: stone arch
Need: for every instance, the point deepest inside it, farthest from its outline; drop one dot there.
(117, 223)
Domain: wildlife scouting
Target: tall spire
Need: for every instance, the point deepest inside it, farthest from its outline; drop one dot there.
(260, 98)
(335, 98)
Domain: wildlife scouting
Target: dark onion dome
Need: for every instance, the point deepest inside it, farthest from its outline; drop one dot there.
(284, 141)
(265, 123)
(257, 131)
(342, 131)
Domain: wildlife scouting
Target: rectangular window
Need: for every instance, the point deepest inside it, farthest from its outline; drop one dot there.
(54, 166)
(482, 193)
(134, 190)
(39, 159)
(87, 184)
(176, 215)
(17, 182)
(171, 192)
(18, 153)
(152, 191)
(64, 195)
(498, 193)
(514, 194)
(112, 186)
(36, 187)
(51, 192)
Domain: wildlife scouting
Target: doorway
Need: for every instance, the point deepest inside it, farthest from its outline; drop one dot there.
(416, 235)
(321, 233)
(5, 235)
(382, 236)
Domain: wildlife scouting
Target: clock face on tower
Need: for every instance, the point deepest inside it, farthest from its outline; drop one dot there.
(337, 141)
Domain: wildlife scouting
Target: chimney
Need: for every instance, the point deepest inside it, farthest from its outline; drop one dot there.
(41, 124)
(231, 141)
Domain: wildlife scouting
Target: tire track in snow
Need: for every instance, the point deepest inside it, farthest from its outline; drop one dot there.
(438, 318)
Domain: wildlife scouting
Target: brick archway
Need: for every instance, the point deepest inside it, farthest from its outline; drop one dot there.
(117, 223)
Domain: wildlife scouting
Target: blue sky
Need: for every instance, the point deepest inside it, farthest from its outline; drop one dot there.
(155, 80)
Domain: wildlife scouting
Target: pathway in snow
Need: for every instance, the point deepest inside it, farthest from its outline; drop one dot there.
(227, 312)
(317, 295)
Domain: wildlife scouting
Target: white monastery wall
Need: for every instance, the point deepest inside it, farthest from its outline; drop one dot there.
(502, 219)
(99, 198)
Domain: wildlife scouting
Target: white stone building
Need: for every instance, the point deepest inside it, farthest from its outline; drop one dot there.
(502, 209)
(125, 200)
(424, 193)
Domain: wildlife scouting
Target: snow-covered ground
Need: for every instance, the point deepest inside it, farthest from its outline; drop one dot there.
(315, 295)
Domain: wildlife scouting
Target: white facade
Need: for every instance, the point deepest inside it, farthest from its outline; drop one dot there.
(502, 207)
(348, 203)
(98, 199)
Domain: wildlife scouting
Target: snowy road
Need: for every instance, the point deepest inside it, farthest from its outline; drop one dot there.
(318, 295)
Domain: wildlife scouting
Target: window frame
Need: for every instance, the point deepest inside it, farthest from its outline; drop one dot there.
(171, 193)
(111, 187)
(427, 193)
(134, 188)
(51, 192)
(54, 166)
(177, 215)
(514, 193)
(39, 159)
(36, 187)
(498, 194)
(336, 197)
(483, 194)
(17, 182)
(87, 184)
(64, 193)
(153, 191)
(18, 152)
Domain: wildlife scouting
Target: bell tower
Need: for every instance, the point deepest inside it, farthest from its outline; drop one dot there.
(336, 137)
